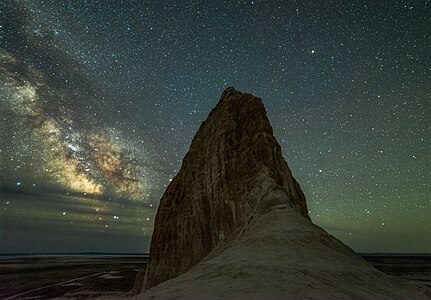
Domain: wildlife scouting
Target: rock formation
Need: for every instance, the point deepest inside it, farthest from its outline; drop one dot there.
(214, 194)
(234, 224)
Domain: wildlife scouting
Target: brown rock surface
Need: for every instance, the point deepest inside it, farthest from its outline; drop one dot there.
(233, 224)
(233, 162)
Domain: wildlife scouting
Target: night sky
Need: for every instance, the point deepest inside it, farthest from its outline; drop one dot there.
(99, 102)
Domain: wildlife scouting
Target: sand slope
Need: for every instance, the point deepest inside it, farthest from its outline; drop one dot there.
(282, 255)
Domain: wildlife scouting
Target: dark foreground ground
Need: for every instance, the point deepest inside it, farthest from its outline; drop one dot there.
(408, 266)
(88, 276)
(72, 276)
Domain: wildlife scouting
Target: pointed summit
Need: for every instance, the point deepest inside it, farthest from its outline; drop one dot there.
(233, 162)
(234, 224)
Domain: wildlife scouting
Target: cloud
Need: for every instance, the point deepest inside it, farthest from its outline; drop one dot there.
(53, 236)
(28, 213)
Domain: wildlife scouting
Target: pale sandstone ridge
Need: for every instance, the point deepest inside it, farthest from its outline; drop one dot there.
(233, 224)
(214, 194)
(282, 255)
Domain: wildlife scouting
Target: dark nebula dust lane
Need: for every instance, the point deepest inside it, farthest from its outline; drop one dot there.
(99, 101)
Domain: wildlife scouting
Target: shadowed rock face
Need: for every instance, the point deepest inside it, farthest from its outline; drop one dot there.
(234, 168)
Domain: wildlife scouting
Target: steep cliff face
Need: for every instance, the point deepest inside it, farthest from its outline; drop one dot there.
(233, 164)
(233, 224)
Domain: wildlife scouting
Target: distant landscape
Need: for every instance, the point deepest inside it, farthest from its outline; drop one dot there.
(84, 276)
(78, 276)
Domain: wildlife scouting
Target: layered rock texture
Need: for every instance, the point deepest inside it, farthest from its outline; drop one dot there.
(233, 224)
(233, 161)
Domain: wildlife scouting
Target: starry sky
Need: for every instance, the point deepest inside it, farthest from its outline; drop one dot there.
(99, 102)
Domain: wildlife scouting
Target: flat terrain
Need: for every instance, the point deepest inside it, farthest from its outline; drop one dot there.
(77, 277)
(88, 276)
(407, 266)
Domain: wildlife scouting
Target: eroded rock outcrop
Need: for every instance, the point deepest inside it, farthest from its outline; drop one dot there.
(233, 224)
(233, 161)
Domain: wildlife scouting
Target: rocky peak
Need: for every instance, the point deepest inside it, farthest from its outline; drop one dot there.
(233, 171)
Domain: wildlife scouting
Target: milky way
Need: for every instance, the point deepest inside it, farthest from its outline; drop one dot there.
(100, 100)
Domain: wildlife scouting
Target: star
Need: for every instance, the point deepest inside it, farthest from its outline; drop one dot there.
(98, 115)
